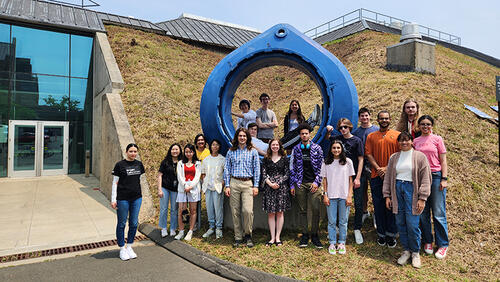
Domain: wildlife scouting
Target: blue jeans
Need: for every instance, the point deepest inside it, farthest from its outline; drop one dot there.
(168, 197)
(215, 208)
(407, 223)
(436, 202)
(386, 225)
(338, 208)
(126, 209)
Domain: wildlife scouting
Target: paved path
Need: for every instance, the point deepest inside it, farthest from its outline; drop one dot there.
(52, 211)
(154, 263)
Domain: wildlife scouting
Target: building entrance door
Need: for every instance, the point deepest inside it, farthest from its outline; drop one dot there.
(37, 148)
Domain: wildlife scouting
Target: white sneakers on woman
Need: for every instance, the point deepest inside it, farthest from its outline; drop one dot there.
(127, 253)
(164, 232)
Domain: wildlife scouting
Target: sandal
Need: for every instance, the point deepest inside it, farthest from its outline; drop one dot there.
(268, 244)
(279, 243)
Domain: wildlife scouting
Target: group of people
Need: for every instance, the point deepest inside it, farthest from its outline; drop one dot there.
(406, 169)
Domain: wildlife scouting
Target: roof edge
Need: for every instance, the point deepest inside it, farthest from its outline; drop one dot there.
(200, 18)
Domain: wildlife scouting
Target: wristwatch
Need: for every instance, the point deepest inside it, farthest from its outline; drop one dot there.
(444, 178)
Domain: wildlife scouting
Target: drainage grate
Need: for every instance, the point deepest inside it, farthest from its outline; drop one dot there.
(64, 250)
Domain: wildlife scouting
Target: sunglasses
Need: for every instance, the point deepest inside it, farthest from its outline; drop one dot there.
(343, 127)
(426, 124)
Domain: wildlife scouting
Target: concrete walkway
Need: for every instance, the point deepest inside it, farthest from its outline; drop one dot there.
(52, 211)
(154, 263)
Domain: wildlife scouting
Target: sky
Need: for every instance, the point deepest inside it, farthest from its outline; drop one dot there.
(477, 22)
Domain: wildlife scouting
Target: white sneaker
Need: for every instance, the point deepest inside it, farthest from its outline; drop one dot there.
(341, 249)
(172, 232)
(189, 235)
(164, 232)
(218, 233)
(358, 237)
(124, 254)
(208, 233)
(415, 260)
(441, 252)
(332, 250)
(428, 249)
(131, 252)
(403, 259)
(180, 235)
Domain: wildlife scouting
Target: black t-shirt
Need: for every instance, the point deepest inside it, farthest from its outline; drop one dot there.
(308, 172)
(169, 176)
(353, 148)
(129, 184)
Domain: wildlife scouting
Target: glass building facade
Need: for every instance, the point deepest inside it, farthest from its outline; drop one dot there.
(46, 75)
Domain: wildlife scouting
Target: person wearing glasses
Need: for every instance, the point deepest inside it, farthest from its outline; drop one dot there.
(353, 148)
(432, 146)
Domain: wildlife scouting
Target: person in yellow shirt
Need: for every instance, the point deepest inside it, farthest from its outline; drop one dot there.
(201, 147)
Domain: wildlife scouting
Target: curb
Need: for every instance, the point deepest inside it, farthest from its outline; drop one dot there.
(208, 262)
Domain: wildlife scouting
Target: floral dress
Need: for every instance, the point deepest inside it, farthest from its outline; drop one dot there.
(276, 200)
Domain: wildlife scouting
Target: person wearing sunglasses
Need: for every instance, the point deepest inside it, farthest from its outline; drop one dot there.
(432, 146)
(353, 147)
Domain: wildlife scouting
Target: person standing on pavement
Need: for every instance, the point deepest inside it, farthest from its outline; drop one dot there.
(266, 120)
(433, 147)
(407, 184)
(354, 150)
(212, 170)
(126, 198)
(366, 127)
(380, 145)
(241, 177)
(167, 189)
(305, 181)
(188, 189)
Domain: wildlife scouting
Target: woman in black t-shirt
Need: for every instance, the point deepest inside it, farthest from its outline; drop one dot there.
(167, 189)
(126, 197)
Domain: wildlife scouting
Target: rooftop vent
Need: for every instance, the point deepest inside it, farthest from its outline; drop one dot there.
(410, 31)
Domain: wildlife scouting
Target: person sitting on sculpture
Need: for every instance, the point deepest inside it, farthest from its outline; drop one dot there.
(258, 144)
(247, 115)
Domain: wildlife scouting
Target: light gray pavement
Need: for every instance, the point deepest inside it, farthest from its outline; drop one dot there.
(52, 211)
(154, 263)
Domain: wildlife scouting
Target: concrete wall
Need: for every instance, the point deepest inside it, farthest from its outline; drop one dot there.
(111, 130)
(260, 217)
(412, 55)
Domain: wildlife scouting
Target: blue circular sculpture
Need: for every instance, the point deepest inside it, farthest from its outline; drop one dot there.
(280, 45)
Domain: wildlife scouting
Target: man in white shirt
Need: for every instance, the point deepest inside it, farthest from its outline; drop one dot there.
(258, 144)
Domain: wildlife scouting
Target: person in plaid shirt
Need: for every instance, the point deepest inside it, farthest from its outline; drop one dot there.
(241, 176)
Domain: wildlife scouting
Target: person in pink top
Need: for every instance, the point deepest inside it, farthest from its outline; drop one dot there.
(432, 146)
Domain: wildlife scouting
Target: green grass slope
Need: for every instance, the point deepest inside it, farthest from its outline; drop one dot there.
(164, 79)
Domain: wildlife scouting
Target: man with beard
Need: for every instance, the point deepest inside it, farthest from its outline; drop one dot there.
(380, 145)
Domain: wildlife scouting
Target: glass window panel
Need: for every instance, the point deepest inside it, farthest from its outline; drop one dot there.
(81, 51)
(40, 97)
(41, 51)
(24, 147)
(53, 145)
(5, 63)
(78, 92)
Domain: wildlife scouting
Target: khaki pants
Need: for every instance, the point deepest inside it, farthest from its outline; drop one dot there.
(241, 198)
(302, 194)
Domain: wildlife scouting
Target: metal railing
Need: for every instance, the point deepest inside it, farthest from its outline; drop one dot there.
(364, 14)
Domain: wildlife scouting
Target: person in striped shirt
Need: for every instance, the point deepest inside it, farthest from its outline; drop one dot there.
(241, 176)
